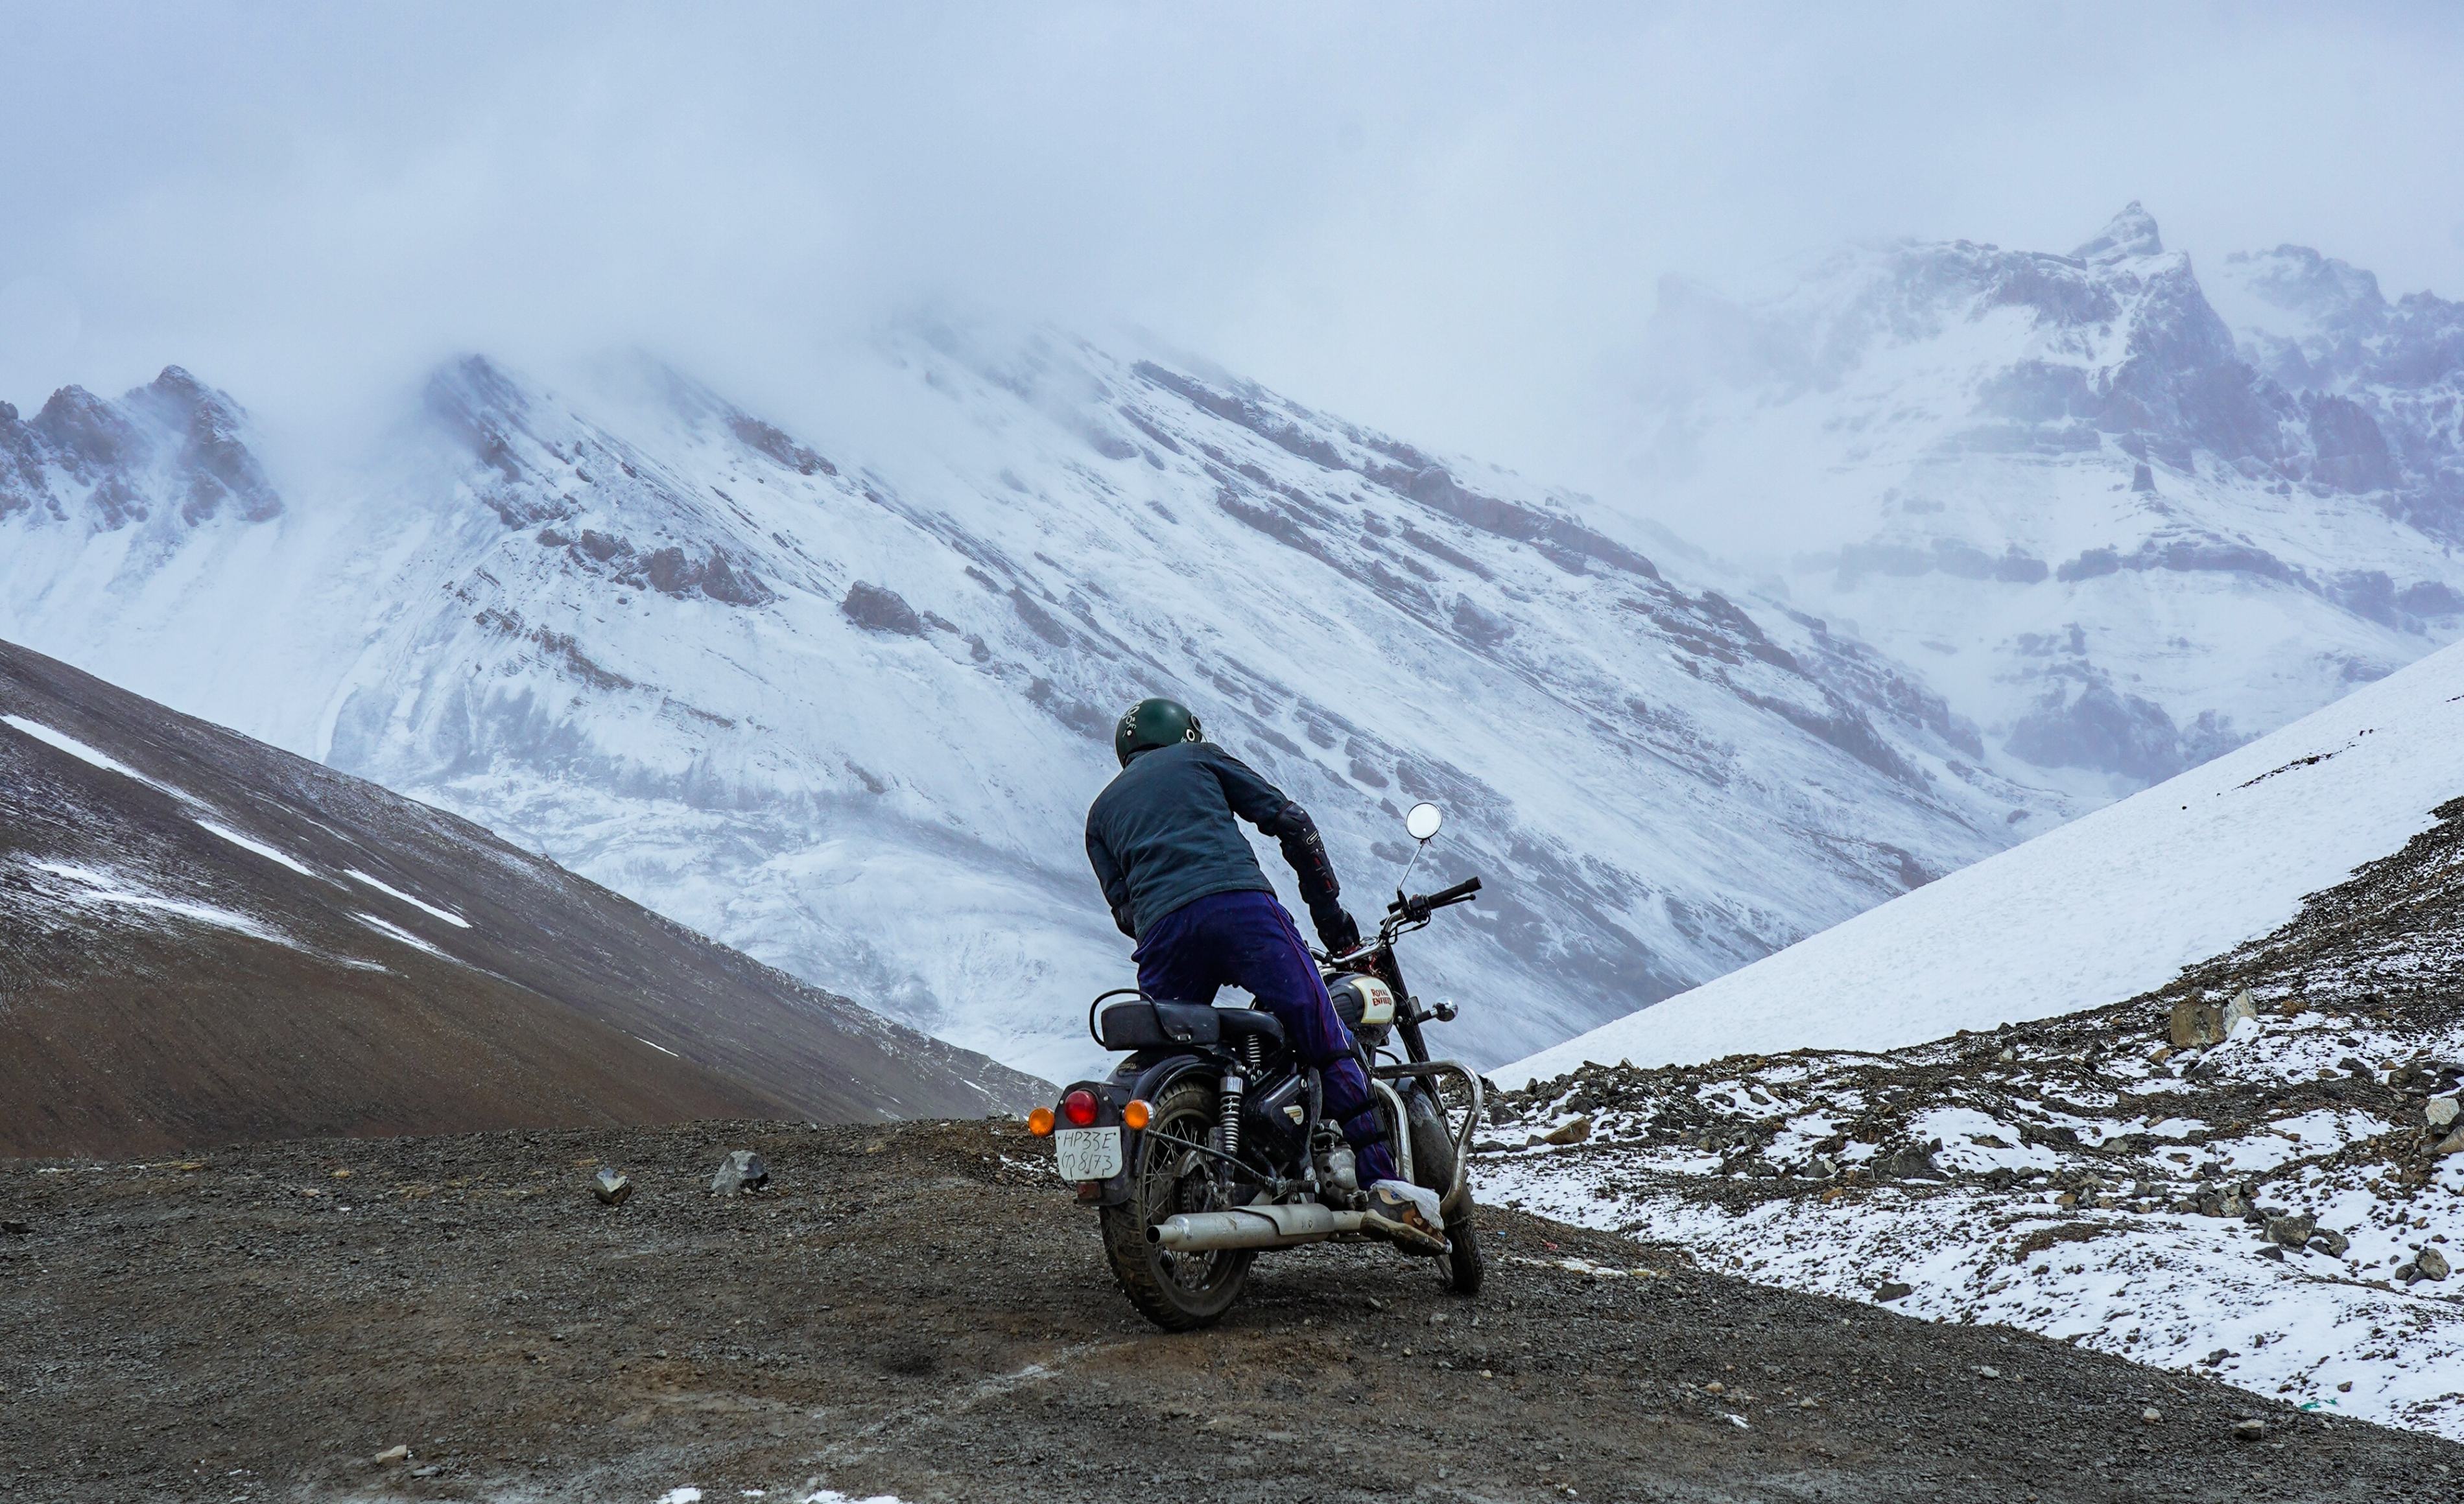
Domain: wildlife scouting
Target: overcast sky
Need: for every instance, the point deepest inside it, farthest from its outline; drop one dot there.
(1444, 221)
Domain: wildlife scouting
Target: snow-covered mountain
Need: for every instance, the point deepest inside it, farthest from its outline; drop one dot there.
(2111, 906)
(839, 696)
(2118, 533)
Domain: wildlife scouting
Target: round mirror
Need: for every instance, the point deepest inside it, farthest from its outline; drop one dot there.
(1424, 821)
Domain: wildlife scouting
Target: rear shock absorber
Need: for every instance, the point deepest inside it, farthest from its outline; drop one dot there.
(1235, 1089)
(1227, 1116)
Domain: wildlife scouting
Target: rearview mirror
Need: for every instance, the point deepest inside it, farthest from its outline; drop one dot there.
(1423, 822)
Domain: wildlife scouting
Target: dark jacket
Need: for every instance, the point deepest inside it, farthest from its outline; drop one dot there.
(1162, 835)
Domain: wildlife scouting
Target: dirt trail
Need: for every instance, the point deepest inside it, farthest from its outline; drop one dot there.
(920, 1311)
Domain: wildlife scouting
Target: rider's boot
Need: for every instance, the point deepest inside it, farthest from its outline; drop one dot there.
(1401, 1204)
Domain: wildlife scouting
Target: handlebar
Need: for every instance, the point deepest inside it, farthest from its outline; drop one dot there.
(1417, 907)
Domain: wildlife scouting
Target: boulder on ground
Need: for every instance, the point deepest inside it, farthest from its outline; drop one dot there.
(2441, 1111)
(2197, 1024)
(1573, 1132)
(610, 1187)
(2431, 1264)
(742, 1170)
(2292, 1231)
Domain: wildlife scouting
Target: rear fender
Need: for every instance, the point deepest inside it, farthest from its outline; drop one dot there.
(1146, 1075)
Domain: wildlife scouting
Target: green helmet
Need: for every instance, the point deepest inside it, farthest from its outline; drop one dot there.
(1150, 724)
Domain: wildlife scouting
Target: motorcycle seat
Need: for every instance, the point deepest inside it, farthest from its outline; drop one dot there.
(1148, 1024)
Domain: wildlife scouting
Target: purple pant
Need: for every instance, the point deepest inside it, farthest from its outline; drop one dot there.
(1247, 941)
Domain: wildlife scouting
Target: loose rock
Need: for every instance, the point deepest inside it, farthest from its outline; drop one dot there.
(2431, 1264)
(15, 1229)
(742, 1170)
(1573, 1132)
(394, 1454)
(1892, 1289)
(2252, 1429)
(2196, 1024)
(2441, 1111)
(611, 1188)
(2292, 1231)
(2453, 1143)
(2330, 1242)
(2152, 1415)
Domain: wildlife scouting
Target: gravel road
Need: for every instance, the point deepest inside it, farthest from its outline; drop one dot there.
(919, 1311)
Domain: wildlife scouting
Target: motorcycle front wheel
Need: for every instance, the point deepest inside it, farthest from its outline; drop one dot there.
(1433, 1162)
(1177, 1292)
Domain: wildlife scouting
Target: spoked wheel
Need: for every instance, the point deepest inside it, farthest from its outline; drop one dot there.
(1177, 1292)
(1463, 1267)
(1433, 1164)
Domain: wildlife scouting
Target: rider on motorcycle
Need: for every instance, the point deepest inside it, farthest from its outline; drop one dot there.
(1184, 884)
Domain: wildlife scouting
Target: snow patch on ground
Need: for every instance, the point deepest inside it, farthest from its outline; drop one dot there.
(79, 750)
(2281, 1211)
(90, 888)
(693, 1496)
(397, 932)
(2170, 1289)
(423, 906)
(246, 843)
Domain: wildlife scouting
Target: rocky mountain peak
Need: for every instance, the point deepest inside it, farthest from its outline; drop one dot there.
(2133, 232)
(84, 430)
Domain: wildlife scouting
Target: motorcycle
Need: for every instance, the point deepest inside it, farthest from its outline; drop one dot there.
(1208, 1146)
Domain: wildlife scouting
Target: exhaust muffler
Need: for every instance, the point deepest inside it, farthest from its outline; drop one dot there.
(1253, 1226)
(1283, 1226)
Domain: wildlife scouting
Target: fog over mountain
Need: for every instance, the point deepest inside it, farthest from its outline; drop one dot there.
(1445, 222)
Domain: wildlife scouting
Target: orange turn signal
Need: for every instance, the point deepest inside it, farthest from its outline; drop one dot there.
(1138, 1113)
(1040, 1122)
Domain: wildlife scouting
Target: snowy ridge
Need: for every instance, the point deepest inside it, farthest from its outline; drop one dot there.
(2112, 905)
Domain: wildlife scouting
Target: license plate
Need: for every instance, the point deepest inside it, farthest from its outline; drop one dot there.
(1088, 1153)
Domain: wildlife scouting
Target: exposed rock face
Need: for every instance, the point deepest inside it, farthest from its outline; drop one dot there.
(108, 464)
(879, 610)
(2379, 382)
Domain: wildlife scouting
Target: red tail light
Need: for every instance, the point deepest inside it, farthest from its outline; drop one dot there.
(1079, 1107)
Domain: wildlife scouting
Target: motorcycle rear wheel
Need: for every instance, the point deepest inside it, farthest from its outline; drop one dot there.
(1177, 1292)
